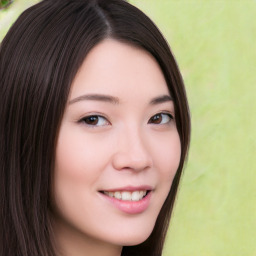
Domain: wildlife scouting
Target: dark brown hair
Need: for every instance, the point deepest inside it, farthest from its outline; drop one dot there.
(39, 58)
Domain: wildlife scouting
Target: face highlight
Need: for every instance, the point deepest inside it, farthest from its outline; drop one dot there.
(118, 150)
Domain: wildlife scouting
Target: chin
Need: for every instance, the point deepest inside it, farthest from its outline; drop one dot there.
(134, 239)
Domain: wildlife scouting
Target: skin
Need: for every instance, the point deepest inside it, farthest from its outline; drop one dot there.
(128, 142)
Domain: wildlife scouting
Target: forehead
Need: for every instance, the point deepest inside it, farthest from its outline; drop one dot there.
(121, 70)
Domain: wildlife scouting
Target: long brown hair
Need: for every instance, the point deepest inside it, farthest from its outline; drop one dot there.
(39, 58)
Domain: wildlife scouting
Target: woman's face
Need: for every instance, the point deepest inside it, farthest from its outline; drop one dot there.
(118, 149)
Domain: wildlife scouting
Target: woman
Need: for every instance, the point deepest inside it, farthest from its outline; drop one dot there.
(94, 131)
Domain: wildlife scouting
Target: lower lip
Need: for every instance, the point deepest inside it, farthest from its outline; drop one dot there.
(130, 207)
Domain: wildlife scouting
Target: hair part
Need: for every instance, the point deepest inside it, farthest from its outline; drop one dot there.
(39, 58)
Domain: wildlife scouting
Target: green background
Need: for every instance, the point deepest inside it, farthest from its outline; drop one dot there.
(215, 45)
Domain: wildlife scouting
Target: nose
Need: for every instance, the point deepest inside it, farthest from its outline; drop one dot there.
(132, 152)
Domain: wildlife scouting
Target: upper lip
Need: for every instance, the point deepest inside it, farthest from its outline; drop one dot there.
(129, 188)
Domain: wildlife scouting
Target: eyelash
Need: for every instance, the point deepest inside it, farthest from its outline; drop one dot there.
(92, 119)
(95, 119)
(160, 115)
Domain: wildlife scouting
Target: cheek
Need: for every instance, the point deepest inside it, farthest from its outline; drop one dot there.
(76, 173)
(167, 154)
(76, 153)
(79, 164)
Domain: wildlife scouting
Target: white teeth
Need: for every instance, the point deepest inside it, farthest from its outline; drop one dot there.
(136, 196)
(127, 195)
(117, 195)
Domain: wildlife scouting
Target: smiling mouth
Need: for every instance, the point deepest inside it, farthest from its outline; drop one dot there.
(127, 195)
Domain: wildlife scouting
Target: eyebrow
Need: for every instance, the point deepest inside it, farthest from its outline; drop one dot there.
(115, 100)
(161, 99)
(97, 97)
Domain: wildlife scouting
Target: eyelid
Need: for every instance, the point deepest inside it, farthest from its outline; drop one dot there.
(99, 116)
(166, 113)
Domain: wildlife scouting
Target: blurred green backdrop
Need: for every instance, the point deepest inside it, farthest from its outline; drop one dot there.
(215, 45)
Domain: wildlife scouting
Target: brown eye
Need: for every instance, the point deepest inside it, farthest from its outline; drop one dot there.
(91, 120)
(157, 119)
(95, 120)
(161, 118)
